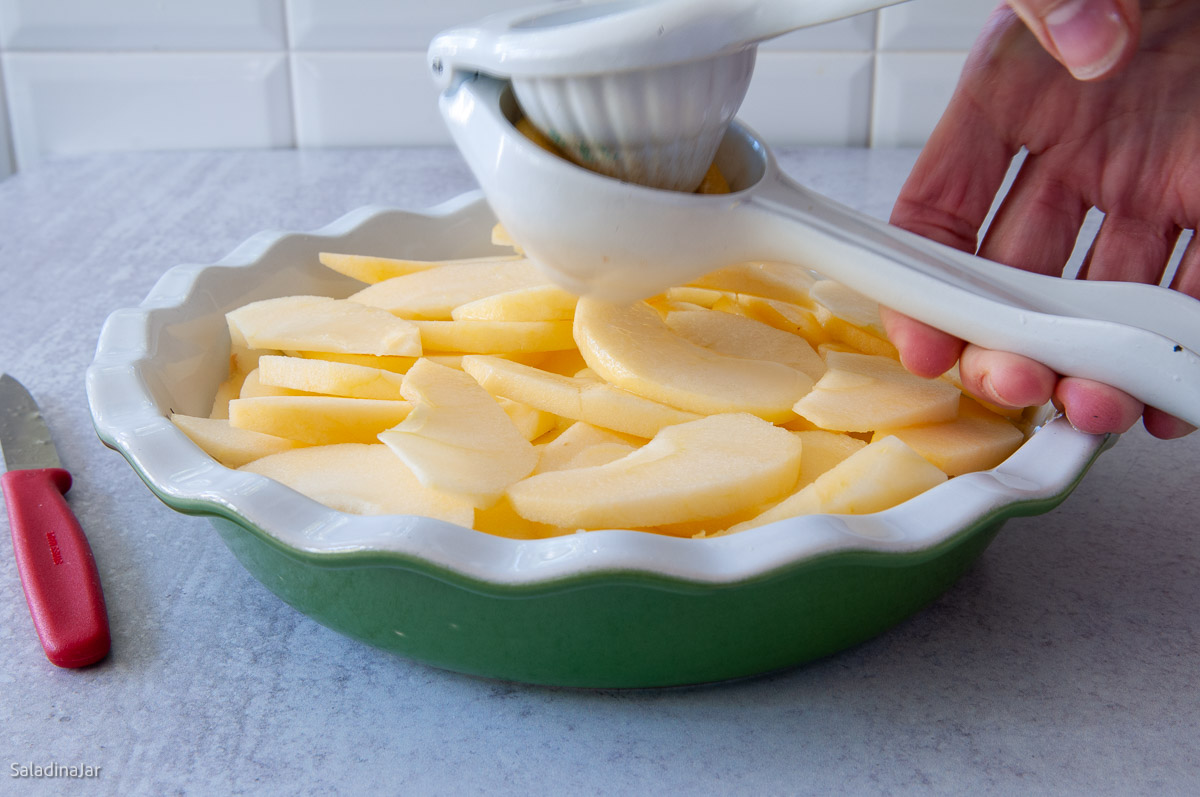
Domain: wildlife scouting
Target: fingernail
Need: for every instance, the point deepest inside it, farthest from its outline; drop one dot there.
(1090, 35)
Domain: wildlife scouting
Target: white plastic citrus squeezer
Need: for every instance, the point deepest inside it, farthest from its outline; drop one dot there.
(618, 240)
(637, 89)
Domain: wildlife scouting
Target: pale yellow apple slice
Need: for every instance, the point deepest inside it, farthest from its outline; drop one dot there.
(877, 477)
(665, 306)
(318, 323)
(329, 377)
(227, 444)
(362, 479)
(371, 269)
(739, 336)
(567, 362)
(786, 316)
(693, 294)
(835, 299)
(630, 346)
(822, 451)
(253, 387)
(783, 281)
(318, 420)
(501, 520)
(584, 445)
(397, 365)
(500, 237)
(495, 337)
(432, 294)
(226, 391)
(458, 439)
(536, 303)
(699, 529)
(400, 365)
(865, 392)
(851, 318)
(707, 468)
(532, 423)
(243, 358)
(578, 398)
(977, 439)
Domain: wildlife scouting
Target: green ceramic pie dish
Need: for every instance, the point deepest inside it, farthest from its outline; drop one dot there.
(613, 608)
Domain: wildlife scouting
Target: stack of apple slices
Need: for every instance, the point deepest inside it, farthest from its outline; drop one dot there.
(476, 392)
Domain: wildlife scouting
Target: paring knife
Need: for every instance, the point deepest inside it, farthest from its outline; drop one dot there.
(55, 562)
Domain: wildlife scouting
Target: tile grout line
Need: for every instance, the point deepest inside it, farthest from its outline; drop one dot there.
(874, 95)
(288, 52)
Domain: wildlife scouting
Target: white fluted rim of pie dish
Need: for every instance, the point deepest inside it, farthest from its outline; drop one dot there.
(170, 352)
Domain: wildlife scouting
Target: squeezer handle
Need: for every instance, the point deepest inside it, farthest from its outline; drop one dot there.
(1143, 339)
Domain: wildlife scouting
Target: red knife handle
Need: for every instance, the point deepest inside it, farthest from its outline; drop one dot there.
(57, 569)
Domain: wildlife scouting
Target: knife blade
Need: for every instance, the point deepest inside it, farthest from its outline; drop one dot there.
(57, 569)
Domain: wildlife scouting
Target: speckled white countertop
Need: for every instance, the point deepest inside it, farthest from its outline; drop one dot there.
(1067, 661)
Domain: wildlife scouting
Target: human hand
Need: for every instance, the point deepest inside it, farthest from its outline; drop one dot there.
(1128, 144)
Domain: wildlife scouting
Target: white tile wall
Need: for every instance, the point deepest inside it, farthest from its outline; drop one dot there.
(71, 103)
(364, 99)
(142, 25)
(383, 24)
(936, 25)
(856, 34)
(911, 90)
(810, 98)
(79, 76)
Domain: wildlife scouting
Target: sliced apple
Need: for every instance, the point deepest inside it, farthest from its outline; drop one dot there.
(851, 318)
(253, 387)
(786, 316)
(397, 365)
(500, 237)
(565, 361)
(834, 298)
(631, 347)
(370, 269)
(822, 451)
(783, 281)
(458, 439)
(706, 468)
(531, 422)
(877, 477)
(693, 294)
(362, 479)
(318, 323)
(495, 337)
(536, 303)
(501, 520)
(583, 445)
(328, 377)
(226, 391)
(227, 444)
(739, 336)
(318, 420)
(978, 439)
(865, 392)
(432, 294)
(400, 365)
(578, 398)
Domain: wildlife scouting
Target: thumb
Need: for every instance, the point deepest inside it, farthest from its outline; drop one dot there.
(1092, 38)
